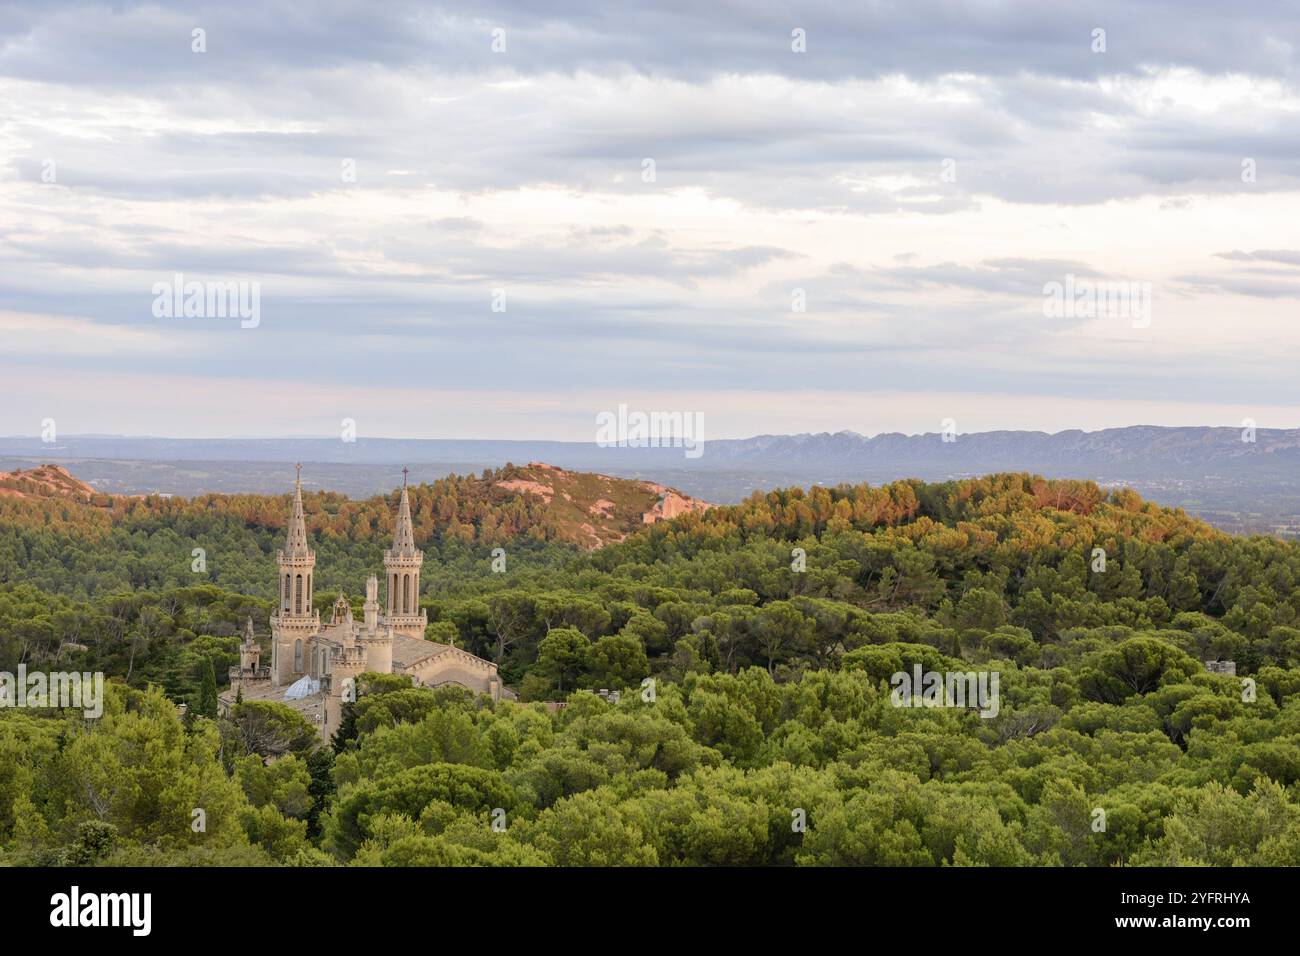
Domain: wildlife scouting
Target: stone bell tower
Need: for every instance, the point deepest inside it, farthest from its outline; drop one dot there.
(402, 574)
(295, 622)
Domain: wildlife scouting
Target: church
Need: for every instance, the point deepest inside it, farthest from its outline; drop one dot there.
(314, 666)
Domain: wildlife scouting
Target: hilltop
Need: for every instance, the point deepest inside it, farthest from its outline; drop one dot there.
(537, 501)
(45, 481)
(595, 509)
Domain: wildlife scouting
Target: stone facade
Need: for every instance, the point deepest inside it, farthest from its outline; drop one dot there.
(313, 666)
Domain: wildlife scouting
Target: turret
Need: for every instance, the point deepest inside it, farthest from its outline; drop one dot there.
(250, 654)
(371, 607)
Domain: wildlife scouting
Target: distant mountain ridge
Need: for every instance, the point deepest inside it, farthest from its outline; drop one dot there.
(1239, 485)
(1145, 444)
(1142, 446)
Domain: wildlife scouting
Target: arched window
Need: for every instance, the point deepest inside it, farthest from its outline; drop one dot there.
(308, 602)
(297, 595)
(297, 656)
(393, 603)
(284, 597)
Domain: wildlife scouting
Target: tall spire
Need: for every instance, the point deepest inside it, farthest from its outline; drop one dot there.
(296, 621)
(404, 533)
(402, 574)
(296, 545)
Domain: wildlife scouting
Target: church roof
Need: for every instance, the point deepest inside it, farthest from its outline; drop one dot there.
(412, 650)
(312, 706)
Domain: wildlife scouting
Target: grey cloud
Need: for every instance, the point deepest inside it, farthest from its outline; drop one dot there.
(409, 86)
(1286, 257)
(132, 44)
(1247, 286)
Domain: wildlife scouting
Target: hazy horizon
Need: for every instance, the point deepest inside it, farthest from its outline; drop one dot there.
(501, 439)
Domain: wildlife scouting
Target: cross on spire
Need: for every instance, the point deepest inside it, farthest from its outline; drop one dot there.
(404, 471)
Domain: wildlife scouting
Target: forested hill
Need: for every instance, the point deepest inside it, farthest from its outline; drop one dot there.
(57, 533)
(1239, 479)
(787, 580)
(770, 630)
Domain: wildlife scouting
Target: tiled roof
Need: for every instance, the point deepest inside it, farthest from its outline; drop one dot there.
(410, 650)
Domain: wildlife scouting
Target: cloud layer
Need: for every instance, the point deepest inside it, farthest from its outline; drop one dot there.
(672, 205)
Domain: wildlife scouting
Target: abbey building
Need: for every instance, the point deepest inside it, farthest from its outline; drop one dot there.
(314, 666)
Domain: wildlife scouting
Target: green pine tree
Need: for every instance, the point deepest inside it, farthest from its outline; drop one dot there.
(208, 692)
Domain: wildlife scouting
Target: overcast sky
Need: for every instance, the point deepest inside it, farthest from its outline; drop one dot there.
(920, 173)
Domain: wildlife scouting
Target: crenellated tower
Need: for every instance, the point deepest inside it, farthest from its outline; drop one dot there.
(250, 655)
(402, 564)
(296, 621)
